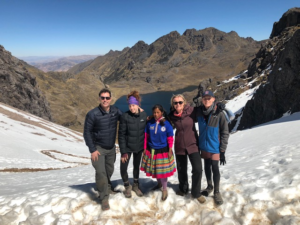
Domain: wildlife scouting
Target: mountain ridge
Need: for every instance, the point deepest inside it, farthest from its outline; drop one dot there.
(173, 61)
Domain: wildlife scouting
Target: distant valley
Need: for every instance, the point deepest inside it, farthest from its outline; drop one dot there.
(58, 64)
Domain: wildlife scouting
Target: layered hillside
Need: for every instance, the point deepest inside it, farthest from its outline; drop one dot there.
(280, 59)
(173, 61)
(70, 96)
(19, 88)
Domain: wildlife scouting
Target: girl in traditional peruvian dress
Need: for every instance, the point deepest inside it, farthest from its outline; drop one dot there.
(158, 160)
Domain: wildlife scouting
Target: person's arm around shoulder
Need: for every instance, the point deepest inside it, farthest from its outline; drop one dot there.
(120, 113)
(122, 136)
(170, 137)
(224, 135)
(146, 137)
(88, 135)
(224, 132)
(144, 116)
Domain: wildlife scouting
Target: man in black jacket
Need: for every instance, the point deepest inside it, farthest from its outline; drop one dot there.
(100, 134)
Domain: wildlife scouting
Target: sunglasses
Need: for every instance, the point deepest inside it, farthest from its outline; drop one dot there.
(180, 103)
(107, 98)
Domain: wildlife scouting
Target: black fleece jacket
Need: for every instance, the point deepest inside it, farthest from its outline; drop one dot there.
(132, 132)
(100, 127)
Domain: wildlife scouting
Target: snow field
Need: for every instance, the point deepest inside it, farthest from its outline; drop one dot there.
(260, 183)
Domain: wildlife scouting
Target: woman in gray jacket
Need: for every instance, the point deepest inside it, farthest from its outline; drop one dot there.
(131, 141)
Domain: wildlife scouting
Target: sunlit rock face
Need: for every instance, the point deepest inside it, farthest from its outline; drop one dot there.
(18, 87)
(281, 58)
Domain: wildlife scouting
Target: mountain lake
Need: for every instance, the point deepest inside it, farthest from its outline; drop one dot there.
(150, 99)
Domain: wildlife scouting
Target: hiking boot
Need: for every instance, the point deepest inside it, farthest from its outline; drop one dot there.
(127, 191)
(218, 198)
(136, 189)
(164, 195)
(179, 192)
(207, 191)
(105, 205)
(201, 199)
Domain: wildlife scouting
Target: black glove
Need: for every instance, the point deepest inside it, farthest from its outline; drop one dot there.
(222, 158)
(220, 107)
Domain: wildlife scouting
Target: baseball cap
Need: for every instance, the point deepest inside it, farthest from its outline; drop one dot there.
(208, 93)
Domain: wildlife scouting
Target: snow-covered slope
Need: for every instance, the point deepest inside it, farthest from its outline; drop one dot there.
(260, 182)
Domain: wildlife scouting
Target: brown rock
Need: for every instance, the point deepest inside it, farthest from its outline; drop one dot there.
(18, 87)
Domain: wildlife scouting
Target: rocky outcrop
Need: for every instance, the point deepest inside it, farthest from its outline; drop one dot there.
(280, 59)
(289, 19)
(18, 87)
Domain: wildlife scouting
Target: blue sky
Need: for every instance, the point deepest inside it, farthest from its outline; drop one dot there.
(77, 27)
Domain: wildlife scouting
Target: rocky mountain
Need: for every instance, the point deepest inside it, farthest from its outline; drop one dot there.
(275, 71)
(173, 61)
(62, 64)
(280, 58)
(19, 88)
(170, 63)
(70, 96)
(289, 19)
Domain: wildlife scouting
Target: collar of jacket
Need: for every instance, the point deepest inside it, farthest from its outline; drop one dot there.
(111, 108)
(134, 114)
(213, 111)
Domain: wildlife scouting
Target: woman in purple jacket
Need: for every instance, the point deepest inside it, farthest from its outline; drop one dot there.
(183, 117)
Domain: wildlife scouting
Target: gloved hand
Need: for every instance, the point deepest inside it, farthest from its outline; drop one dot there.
(222, 158)
(220, 107)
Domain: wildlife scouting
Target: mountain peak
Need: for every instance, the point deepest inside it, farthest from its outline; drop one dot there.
(288, 19)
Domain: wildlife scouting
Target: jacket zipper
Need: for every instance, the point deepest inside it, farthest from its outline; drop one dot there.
(183, 133)
(206, 128)
(138, 129)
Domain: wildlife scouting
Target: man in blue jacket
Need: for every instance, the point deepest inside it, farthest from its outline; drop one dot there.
(100, 135)
(213, 139)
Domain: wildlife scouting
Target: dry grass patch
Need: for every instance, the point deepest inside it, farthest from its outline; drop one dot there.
(48, 153)
(21, 170)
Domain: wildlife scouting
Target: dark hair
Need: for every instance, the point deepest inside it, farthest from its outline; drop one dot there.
(135, 94)
(160, 108)
(105, 90)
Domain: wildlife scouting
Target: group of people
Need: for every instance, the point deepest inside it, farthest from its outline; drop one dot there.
(149, 141)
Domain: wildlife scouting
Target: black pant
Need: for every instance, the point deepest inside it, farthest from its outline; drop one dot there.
(136, 166)
(212, 167)
(182, 164)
